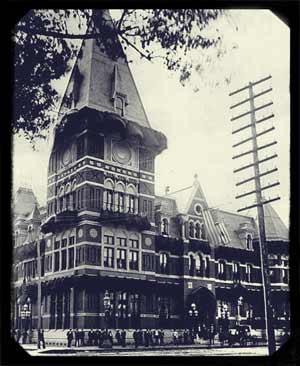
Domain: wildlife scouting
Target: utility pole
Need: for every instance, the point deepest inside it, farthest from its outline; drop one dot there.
(39, 282)
(260, 201)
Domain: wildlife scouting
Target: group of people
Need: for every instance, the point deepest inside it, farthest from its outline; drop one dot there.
(95, 337)
(21, 336)
(148, 337)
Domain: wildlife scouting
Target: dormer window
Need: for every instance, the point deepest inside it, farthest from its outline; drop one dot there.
(165, 227)
(120, 105)
(198, 230)
(224, 237)
(191, 229)
(249, 242)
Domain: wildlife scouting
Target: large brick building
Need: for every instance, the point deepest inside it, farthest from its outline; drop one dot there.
(106, 234)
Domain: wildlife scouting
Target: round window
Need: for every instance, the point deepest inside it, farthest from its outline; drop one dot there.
(198, 209)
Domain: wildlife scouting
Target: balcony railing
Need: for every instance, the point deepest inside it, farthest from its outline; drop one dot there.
(60, 221)
(128, 216)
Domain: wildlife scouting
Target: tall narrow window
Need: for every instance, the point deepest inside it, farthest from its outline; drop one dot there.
(191, 265)
(163, 259)
(221, 270)
(248, 272)
(191, 229)
(131, 207)
(119, 106)
(198, 231)
(133, 260)
(121, 258)
(165, 227)
(199, 265)
(249, 242)
(108, 259)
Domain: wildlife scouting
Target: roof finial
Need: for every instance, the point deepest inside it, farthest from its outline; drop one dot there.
(196, 182)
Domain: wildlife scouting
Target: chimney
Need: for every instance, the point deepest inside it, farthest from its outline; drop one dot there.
(167, 190)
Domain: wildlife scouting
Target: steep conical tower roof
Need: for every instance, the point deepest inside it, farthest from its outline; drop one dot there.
(97, 80)
(25, 202)
(274, 226)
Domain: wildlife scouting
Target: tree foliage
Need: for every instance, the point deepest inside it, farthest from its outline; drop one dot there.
(46, 42)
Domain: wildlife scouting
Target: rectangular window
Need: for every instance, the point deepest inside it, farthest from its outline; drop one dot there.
(71, 240)
(63, 259)
(133, 243)
(134, 260)
(121, 258)
(71, 257)
(150, 205)
(122, 242)
(64, 243)
(80, 147)
(97, 198)
(56, 261)
(108, 260)
(56, 244)
(145, 206)
(92, 197)
(109, 240)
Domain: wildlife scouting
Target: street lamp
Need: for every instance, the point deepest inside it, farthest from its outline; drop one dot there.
(107, 309)
(193, 314)
(240, 304)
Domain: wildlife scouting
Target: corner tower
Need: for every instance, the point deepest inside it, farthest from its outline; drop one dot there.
(100, 201)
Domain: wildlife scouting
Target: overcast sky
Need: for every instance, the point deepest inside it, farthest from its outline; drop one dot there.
(197, 124)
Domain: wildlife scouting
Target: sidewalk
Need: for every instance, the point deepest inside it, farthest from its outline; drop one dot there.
(32, 348)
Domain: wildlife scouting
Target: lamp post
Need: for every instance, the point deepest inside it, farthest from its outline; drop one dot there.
(239, 305)
(193, 314)
(107, 310)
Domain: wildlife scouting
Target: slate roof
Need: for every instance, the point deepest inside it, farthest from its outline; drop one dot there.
(25, 202)
(100, 77)
(232, 222)
(274, 226)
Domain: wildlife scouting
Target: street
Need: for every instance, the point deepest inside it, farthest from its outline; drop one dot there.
(180, 351)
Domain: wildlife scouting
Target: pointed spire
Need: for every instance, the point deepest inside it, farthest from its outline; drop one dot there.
(102, 79)
(196, 181)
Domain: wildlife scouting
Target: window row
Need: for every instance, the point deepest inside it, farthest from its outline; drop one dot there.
(121, 241)
(119, 202)
(122, 256)
(199, 265)
(237, 273)
(197, 230)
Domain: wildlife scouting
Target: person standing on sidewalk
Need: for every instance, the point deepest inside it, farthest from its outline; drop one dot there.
(77, 337)
(161, 337)
(156, 336)
(70, 337)
(135, 338)
(40, 338)
(175, 337)
(211, 335)
(123, 338)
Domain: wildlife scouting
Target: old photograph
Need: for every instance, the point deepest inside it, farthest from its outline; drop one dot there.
(151, 182)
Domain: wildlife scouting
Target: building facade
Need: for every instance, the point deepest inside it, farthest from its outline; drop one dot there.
(113, 254)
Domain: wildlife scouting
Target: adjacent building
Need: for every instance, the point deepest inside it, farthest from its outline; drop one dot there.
(113, 254)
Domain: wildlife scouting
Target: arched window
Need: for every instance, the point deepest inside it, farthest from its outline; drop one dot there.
(191, 265)
(249, 242)
(191, 229)
(202, 228)
(199, 265)
(221, 270)
(131, 198)
(248, 273)
(163, 260)
(198, 231)
(207, 267)
(119, 105)
(165, 227)
(120, 199)
(108, 195)
(236, 271)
